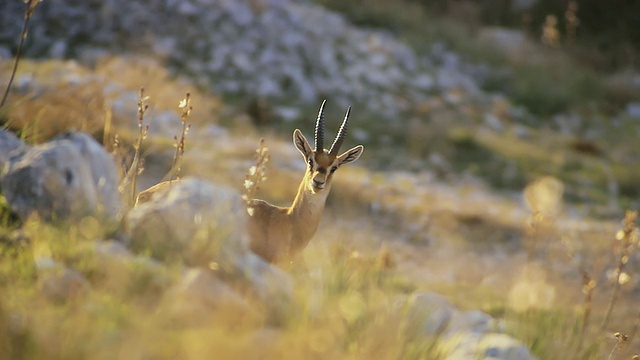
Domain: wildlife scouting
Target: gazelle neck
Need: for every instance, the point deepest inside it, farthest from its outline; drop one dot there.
(306, 212)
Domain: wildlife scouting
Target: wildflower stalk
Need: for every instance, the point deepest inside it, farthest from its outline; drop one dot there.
(186, 107)
(257, 172)
(28, 12)
(621, 340)
(588, 288)
(628, 238)
(634, 331)
(137, 164)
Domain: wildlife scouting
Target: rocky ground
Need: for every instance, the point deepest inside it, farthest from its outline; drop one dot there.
(443, 231)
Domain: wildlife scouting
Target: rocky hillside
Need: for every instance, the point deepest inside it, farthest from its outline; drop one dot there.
(283, 50)
(280, 58)
(423, 220)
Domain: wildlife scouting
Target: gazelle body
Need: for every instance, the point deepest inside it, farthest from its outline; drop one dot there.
(279, 233)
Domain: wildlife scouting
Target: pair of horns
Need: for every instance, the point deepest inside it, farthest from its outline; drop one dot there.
(319, 134)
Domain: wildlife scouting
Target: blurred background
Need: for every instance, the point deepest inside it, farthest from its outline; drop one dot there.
(504, 91)
(497, 132)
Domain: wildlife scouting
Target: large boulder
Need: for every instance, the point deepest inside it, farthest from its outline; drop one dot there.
(102, 169)
(63, 180)
(203, 224)
(189, 220)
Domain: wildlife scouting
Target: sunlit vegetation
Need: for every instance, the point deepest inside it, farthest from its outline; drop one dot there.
(536, 248)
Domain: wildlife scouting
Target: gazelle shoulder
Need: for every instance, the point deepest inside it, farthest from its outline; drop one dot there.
(258, 206)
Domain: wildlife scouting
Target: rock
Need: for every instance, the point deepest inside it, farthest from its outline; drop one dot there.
(5, 53)
(508, 40)
(484, 347)
(120, 270)
(200, 297)
(203, 224)
(633, 110)
(110, 249)
(493, 122)
(190, 220)
(63, 180)
(268, 282)
(461, 335)
(50, 180)
(103, 171)
(428, 313)
(59, 283)
(9, 145)
(473, 321)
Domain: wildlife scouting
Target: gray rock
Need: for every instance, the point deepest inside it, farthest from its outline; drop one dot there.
(9, 145)
(490, 346)
(63, 180)
(633, 110)
(112, 250)
(200, 296)
(46, 263)
(268, 282)
(166, 124)
(5, 53)
(428, 313)
(191, 220)
(59, 283)
(203, 224)
(473, 321)
(121, 271)
(50, 180)
(506, 39)
(461, 335)
(103, 171)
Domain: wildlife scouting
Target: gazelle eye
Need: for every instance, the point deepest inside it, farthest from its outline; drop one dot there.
(333, 169)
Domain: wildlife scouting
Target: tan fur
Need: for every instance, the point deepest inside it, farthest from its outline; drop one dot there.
(279, 233)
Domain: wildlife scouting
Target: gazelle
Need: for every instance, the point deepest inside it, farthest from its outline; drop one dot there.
(279, 233)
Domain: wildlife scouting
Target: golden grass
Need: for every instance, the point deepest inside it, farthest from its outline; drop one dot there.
(343, 307)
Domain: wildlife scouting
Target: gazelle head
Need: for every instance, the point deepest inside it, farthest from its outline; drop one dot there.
(322, 163)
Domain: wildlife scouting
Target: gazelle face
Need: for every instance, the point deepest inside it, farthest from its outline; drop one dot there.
(322, 163)
(320, 170)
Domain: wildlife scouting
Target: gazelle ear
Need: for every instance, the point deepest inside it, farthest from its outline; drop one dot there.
(350, 155)
(302, 144)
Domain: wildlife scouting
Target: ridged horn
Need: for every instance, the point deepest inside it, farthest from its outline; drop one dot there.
(342, 133)
(319, 134)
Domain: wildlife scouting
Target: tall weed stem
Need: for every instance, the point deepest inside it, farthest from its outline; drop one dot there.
(626, 241)
(186, 107)
(28, 12)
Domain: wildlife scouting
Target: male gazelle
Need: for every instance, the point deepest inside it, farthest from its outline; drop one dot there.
(279, 233)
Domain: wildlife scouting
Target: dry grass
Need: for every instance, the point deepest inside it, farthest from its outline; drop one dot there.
(373, 249)
(342, 313)
(342, 310)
